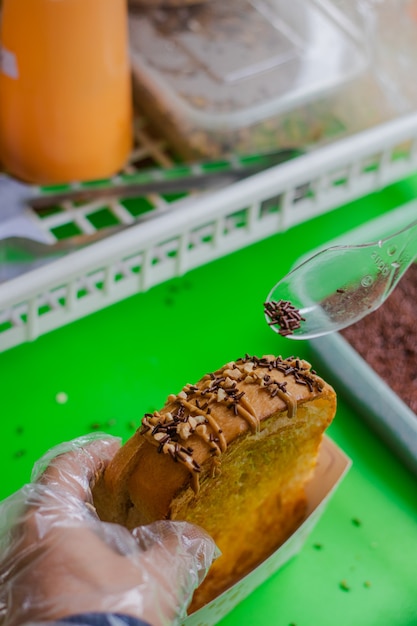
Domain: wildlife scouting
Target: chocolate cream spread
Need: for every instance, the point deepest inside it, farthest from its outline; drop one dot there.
(387, 339)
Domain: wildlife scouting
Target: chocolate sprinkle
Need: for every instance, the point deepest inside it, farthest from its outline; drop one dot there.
(185, 415)
(283, 314)
(387, 339)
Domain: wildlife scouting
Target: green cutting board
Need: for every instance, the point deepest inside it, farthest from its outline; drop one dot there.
(359, 566)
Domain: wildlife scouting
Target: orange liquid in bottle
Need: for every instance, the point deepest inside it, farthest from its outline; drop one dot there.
(65, 93)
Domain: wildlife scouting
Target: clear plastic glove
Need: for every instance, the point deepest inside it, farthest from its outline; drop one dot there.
(58, 559)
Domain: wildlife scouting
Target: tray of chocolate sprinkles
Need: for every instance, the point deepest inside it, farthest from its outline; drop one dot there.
(377, 357)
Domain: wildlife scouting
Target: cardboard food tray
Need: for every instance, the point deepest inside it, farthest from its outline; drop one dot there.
(371, 397)
(332, 465)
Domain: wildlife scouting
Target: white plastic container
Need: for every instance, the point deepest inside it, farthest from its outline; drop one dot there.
(370, 396)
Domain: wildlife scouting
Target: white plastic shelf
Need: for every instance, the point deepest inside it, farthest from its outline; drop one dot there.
(199, 229)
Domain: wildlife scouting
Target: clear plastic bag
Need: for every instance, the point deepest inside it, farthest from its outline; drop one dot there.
(57, 558)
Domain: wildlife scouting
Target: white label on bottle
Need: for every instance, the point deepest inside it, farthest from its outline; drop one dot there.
(8, 63)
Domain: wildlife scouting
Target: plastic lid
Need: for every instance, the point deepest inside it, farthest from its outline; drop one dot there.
(230, 64)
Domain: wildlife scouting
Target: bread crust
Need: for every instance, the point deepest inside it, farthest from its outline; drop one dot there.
(241, 443)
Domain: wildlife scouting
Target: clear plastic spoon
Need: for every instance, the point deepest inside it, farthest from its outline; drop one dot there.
(339, 285)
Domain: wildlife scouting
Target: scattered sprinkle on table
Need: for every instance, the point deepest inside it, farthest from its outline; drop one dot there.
(61, 397)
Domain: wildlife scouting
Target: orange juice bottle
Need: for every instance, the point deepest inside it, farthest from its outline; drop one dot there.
(65, 93)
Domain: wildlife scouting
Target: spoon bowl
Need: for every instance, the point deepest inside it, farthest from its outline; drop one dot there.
(340, 285)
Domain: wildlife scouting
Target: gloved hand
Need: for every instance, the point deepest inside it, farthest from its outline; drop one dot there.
(58, 559)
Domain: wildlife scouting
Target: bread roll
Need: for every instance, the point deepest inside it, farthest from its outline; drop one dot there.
(231, 454)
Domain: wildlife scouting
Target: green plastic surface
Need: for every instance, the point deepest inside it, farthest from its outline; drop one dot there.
(358, 567)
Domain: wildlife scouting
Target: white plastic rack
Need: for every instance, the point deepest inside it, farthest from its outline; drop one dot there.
(199, 229)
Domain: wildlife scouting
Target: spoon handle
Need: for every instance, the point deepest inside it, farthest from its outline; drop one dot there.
(397, 253)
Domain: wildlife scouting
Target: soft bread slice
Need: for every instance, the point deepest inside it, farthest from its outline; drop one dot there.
(231, 454)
